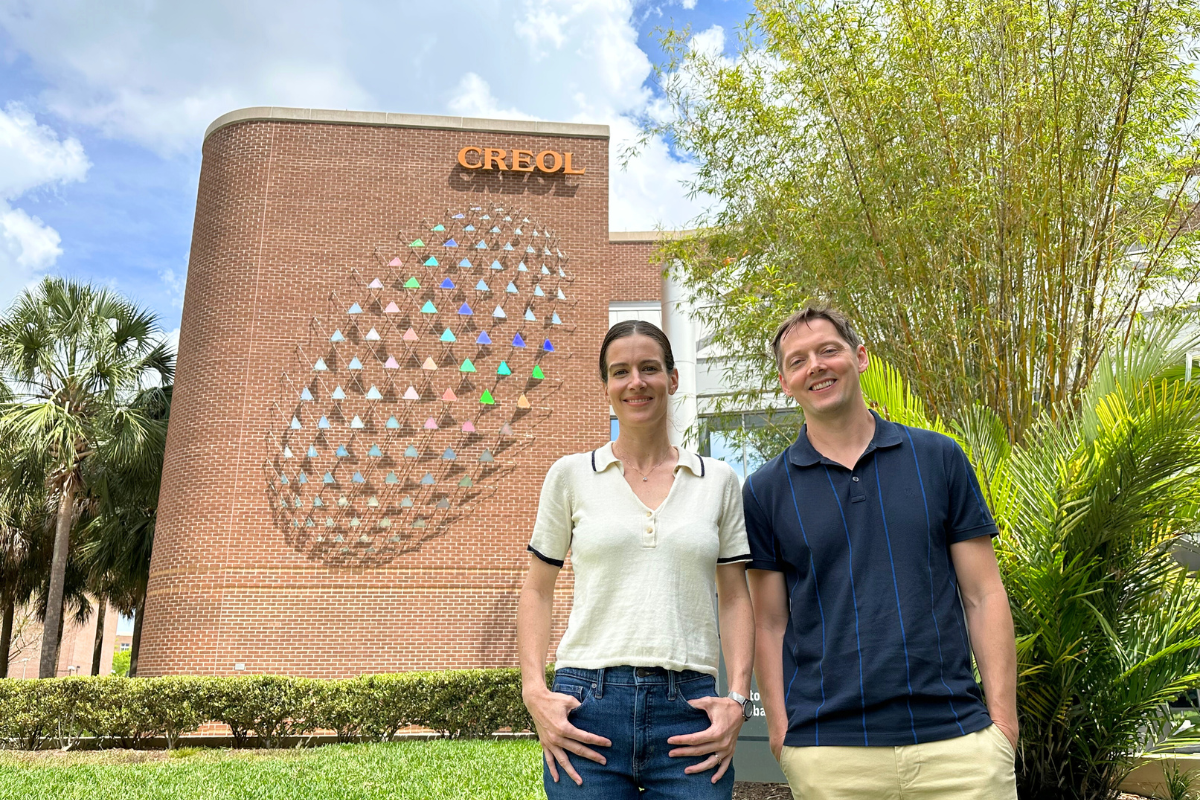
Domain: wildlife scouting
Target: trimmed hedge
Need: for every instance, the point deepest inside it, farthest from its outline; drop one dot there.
(124, 712)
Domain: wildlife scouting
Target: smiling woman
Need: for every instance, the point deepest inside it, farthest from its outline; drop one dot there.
(652, 531)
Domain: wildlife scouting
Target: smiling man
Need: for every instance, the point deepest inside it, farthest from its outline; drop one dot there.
(873, 579)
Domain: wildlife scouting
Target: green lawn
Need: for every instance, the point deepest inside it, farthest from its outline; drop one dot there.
(432, 770)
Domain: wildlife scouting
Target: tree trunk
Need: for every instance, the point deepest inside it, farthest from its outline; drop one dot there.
(136, 644)
(98, 647)
(48, 666)
(9, 609)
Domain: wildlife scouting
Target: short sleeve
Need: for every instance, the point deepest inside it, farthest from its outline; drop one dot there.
(732, 525)
(969, 517)
(759, 533)
(552, 531)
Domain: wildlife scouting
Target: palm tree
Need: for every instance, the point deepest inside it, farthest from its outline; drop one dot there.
(119, 534)
(1090, 508)
(76, 357)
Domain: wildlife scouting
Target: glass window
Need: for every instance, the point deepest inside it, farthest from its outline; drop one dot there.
(614, 428)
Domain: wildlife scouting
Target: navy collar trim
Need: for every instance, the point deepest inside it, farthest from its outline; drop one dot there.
(803, 454)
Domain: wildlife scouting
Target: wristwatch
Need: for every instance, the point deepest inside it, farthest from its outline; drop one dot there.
(747, 706)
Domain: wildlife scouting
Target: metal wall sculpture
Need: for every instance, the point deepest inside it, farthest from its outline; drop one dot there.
(417, 390)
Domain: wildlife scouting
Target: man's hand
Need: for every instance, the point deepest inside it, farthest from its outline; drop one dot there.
(717, 741)
(777, 745)
(556, 733)
(1009, 729)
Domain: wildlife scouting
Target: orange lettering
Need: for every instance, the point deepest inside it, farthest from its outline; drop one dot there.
(462, 157)
(567, 166)
(521, 161)
(493, 158)
(556, 161)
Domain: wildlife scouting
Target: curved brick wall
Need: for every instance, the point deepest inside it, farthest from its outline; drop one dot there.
(292, 220)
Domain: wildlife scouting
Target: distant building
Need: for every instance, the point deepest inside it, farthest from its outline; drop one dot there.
(75, 651)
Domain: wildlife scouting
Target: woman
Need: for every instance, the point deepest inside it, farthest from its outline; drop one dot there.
(653, 531)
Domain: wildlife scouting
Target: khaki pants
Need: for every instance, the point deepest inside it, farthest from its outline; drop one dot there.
(978, 766)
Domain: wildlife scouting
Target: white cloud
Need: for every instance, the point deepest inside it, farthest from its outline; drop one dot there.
(31, 156)
(175, 285)
(688, 4)
(158, 73)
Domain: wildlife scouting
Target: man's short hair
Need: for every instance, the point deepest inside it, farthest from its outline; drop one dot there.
(809, 314)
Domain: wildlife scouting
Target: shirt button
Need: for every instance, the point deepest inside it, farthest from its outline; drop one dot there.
(855, 479)
(649, 513)
(649, 529)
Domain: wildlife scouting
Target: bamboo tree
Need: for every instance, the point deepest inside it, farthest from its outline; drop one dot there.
(992, 190)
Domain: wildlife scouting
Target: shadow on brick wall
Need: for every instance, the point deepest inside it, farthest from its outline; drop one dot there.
(511, 183)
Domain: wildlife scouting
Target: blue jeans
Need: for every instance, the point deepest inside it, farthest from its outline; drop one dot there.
(637, 709)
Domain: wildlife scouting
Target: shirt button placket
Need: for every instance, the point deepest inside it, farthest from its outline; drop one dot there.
(648, 538)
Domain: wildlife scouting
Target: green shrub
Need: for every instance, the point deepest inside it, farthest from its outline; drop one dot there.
(125, 712)
(120, 662)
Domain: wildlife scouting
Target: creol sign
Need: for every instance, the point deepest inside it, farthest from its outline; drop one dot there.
(518, 161)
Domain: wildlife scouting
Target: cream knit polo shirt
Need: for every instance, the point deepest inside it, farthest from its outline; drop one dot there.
(645, 579)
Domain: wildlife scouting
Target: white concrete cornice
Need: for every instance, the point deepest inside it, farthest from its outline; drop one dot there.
(390, 120)
(625, 237)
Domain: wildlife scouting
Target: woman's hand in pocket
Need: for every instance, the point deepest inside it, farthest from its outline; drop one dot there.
(558, 736)
(717, 741)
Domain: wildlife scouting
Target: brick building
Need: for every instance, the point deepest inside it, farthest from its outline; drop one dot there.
(389, 333)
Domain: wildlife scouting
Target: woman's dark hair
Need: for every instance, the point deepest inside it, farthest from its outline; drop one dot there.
(631, 327)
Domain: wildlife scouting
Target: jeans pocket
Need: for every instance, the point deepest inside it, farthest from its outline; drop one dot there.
(694, 690)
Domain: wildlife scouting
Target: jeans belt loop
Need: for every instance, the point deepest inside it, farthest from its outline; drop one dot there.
(671, 684)
(599, 683)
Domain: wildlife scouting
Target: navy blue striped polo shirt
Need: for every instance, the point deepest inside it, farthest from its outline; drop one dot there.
(876, 650)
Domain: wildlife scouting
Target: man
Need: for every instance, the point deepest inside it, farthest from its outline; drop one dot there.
(870, 543)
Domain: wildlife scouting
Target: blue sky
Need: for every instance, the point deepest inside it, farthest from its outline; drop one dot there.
(103, 106)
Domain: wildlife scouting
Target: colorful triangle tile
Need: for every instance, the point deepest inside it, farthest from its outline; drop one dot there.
(375, 284)
(448, 336)
(338, 394)
(411, 393)
(522, 402)
(437, 228)
(428, 363)
(449, 396)
(464, 264)
(467, 366)
(295, 423)
(355, 309)
(392, 308)
(372, 335)
(337, 336)
(410, 335)
(537, 372)
(450, 243)
(469, 228)
(342, 452)
(357, 422)
(446, 284)
(431, 262)
(554, 319)
(497, 265)
(560, 295)
(357, 478)
(431, 424)
(529, 315)
(482, 287)
(392, 422)
(391, 363)
(429, 308)
(537, 291)
(511, 288)
(468, 427)
(483, 338)
(320, 365)
(449, 455)
(427, 481)
(486, 456)
(518, 341)
(411, 452)
(327, 479)
(465, 310)
(487, 399)
(544, 270)
(312, 452)
(522, 268)
(395, 262)
(391, 478)
(481, 246)
(374, 394)
(466, 481)
(499, 313)
(305, 394)
(375, 452)
(508, 245)
(503, 369)
(549, 348)
(354, 363)
(323, 423)
(412, 283)
(506, 430)
(416, 243)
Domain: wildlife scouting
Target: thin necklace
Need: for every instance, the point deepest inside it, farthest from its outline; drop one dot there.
(645, 475)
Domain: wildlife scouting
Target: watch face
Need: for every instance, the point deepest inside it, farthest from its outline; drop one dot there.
(747, 709)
